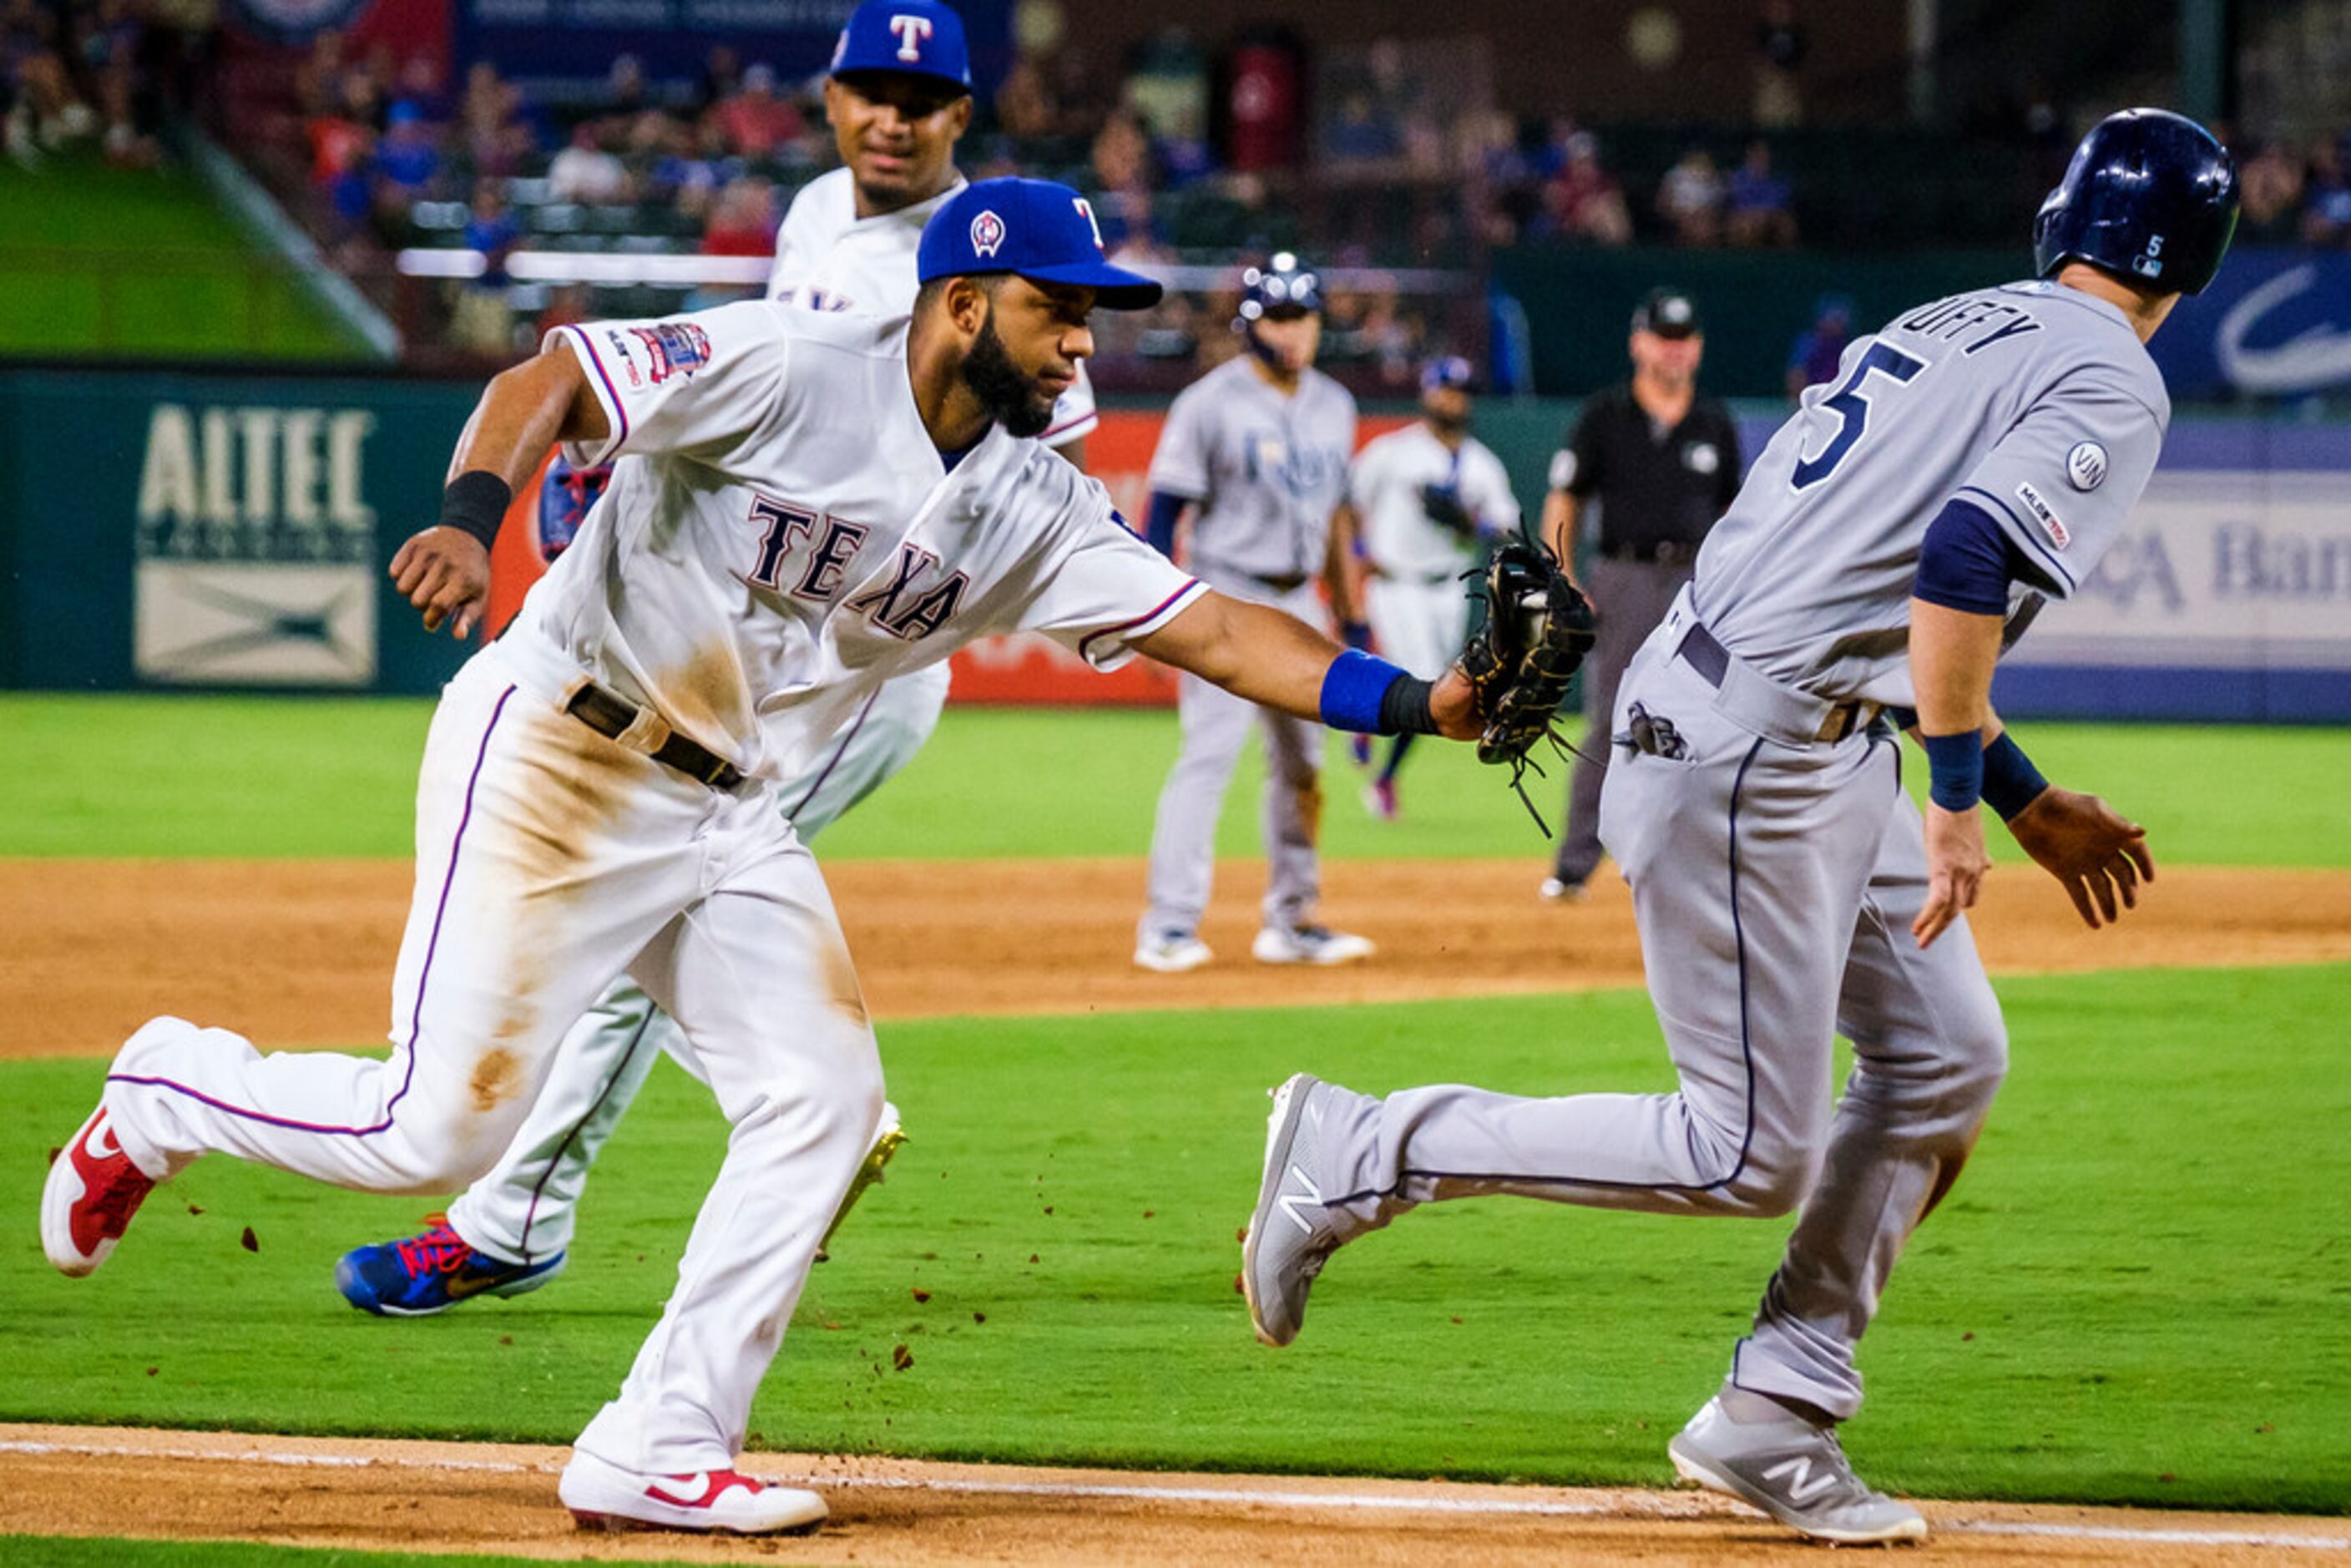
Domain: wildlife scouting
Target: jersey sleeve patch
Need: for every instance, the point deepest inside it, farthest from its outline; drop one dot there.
(2086, 465)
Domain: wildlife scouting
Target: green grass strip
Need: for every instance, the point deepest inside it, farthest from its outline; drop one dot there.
(2140, 1294)
(302, 778)
(120, 1552)
(139, 262)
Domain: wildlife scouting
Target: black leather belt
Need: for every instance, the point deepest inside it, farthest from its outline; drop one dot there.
(611, 715)
(1663, 552)
(1290, 584)
(1699, 650)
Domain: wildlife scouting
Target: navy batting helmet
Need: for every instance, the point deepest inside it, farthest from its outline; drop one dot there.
(1284, 285)
(2150, 196)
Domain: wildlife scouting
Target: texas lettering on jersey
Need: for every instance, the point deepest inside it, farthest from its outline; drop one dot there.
(807, 555)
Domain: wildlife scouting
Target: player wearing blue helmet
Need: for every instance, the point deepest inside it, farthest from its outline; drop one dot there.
(1972, 457)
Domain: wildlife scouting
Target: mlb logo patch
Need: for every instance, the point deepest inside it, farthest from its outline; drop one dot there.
(673, 348)
(2045, 515)
(987, 233)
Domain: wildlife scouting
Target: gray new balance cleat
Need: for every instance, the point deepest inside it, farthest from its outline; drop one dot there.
(1291, 1235)
(1794, 1471)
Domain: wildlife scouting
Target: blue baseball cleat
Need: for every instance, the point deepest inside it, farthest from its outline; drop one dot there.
(420, 1275)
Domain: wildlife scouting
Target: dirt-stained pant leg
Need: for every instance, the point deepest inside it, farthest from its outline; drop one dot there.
(1291, 819)
(1748, 859)
(1216, 725)
(524, 1209)
(1930, 1052)
(758, 977)
(546, 857)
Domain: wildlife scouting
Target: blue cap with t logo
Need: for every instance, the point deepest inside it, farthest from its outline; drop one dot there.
(1034, 228)
(910, 37)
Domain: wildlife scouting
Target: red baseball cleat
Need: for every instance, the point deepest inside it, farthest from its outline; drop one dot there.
(605, 1497)
(92, 1191)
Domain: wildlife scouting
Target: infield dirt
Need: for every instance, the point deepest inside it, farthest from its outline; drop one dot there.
(295, 953)
(441, 1497)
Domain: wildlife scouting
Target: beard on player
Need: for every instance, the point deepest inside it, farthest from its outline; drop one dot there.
(1013, 398)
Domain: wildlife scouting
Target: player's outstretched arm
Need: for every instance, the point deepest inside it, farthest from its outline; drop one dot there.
(444, 570)
(1261, 654)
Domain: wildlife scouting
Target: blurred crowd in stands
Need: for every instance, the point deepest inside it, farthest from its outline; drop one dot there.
(76, 72)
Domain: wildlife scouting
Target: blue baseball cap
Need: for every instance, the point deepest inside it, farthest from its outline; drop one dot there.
(909, 37)
(1447, 370)
(1033, 228)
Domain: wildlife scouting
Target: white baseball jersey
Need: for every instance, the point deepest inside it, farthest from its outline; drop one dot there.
(828, 258)
(2033, 401)
(780, 536)
(1385, 484)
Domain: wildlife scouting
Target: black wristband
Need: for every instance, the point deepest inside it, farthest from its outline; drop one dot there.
(1403, 706)
(475, 502)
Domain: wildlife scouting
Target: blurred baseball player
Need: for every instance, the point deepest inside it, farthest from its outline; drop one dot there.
(1256, 452)
(1420, 503)
(1973, 454)
(898, 97)
(804, 505)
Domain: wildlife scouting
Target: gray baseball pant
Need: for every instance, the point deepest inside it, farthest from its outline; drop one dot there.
(1214, 725)
(1630, 598)
(1774, 880)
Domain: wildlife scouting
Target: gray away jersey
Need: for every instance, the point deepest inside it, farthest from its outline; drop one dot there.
(1267, 470)
(2033, 401)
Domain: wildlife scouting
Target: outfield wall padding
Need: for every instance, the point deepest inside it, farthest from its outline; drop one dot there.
(165, 529)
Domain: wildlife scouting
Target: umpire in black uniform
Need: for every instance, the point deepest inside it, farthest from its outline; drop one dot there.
(1653, 465)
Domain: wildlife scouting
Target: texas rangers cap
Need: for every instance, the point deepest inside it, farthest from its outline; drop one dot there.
(910, 37)
(1034, 228)
(1447, 370)
(1668, 312)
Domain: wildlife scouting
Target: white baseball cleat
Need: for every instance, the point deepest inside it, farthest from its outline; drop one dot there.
(1171, 952)
(1792, 1470)
(1310, 944)
(606, 1497)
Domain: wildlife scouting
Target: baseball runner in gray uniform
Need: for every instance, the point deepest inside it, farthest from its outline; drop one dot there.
(1256, 451)
(1974, 454)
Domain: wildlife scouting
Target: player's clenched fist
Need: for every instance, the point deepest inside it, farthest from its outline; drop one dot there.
(445, 573)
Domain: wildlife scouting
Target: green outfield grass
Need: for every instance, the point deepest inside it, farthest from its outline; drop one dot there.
(140, 263)
(104, 1551)
(303, 777)
(2140, 1294)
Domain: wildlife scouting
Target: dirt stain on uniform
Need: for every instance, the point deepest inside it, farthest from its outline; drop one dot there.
(707, 696)
(838, 978)
(497, 1076)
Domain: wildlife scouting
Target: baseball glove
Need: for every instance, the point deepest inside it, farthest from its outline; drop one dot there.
(1443, 507)
(1537, 631)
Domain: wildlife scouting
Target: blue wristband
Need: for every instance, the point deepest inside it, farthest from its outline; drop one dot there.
(1955, 769)
(1352, 690)
(2010, 782)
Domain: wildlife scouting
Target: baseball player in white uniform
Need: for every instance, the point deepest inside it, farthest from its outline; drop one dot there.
(1974, 454)
(1421, 502)
(898, 97)
(804, 505)
(1255, 453)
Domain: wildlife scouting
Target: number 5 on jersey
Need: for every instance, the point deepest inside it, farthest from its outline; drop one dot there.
(1851, 402)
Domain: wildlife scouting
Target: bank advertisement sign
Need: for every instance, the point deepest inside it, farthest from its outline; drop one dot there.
(2229, 596)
